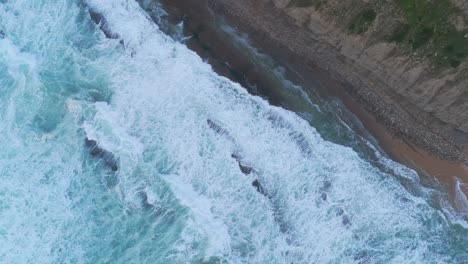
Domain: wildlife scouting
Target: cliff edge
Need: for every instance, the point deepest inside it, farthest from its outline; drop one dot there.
(404, 61)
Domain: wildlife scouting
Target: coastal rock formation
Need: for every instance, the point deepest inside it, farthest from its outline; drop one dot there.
(439, 92)
(411, 79)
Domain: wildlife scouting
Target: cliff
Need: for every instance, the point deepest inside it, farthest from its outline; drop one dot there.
(404, 61)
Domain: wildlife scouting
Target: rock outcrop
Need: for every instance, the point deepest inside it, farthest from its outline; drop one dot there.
(419, 96)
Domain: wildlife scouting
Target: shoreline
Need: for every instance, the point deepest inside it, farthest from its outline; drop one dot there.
(407, 153)
(310, 57)
(425, 160)
(396, 125)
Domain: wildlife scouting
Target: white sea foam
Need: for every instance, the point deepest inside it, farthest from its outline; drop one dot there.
(460, 199)
(178, 195)
(171, 94)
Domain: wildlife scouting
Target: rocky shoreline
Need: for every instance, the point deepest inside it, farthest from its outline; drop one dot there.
(405, 138)
(310, 57)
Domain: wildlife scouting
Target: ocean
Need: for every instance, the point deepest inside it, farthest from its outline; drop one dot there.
(121, 145)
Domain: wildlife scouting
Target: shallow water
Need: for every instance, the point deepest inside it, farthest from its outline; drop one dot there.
(133, 150)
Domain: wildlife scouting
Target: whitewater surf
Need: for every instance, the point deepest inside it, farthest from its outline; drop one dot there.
(120, 145)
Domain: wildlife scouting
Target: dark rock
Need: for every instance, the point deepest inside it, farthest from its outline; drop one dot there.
(324, 196)
(345, 218)
(217, 128)
(101, 22)
(301, 142)
(340, 211)
(244, 168)
(259, 187)
(220, 130)
(2, 34)
(236, 156)
(346, 221)
(326, 185)
(144, 200)
(108, 158)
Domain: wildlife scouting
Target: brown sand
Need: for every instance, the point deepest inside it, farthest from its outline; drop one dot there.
(402, 151)
(405, 152)
(213, 45)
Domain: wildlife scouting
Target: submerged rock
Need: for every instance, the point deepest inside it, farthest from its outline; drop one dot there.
(101, 22)
(245, 169)
(108, 158)
(324, 196)
(326, 185)
(216, 127)
(145, 203)
(259, 187)
(345, 219)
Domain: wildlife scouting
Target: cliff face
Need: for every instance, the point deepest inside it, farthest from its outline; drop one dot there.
(423, 83)
(441, 91)
(405, 61)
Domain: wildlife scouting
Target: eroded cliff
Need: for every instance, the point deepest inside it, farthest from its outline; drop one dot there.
(417, 48)
(405, 61)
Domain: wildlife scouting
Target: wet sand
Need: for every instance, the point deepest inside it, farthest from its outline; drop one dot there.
(408, 154)
(399, 149)
(447, 172)
(231, 61)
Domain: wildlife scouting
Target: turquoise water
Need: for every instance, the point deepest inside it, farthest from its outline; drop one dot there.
(127, 150)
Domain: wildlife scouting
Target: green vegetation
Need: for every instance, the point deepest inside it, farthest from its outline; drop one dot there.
(362, 21)
(428, 31)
